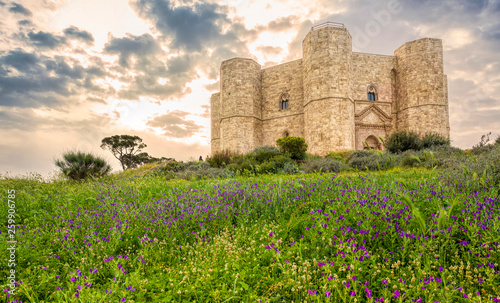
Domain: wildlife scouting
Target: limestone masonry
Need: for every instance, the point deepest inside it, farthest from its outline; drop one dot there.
(334, 98)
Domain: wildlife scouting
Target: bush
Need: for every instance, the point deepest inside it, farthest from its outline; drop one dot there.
(323, 165)
(296, 147)
(220, 159)
(497, 140)
(402, 141)
(339, 156)
(264, 153)
(431, 140)
(474, 171)
(290, 168)
(80, 165)
(195, 170)
(411, 159)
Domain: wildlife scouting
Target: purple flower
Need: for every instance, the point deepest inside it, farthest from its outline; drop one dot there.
(311, 291)
(73, 279)
(396, 294)
(59, 288)
(327, 293)
(347, 284)
(271, 234)
(460, 288)
(329, 278)
(440, 268)
(353, 293)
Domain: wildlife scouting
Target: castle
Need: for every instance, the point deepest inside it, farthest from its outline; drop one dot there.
(333, 97)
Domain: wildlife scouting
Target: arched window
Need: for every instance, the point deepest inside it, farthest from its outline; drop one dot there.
(284, 101)
(372, 93)
(286, 133)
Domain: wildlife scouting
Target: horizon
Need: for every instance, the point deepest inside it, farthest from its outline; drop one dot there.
(74, 72)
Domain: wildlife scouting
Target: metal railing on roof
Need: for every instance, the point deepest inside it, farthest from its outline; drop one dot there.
(327, 24)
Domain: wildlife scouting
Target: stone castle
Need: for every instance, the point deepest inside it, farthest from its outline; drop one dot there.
(333, 97)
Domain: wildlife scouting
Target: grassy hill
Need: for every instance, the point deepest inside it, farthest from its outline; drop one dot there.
(402, 235)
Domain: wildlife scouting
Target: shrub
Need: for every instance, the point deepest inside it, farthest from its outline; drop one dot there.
(80, 165)
(339, 156)
(296, 147)
(401, 141)
(411, 159)
(497, 140)
(220, 159)
(290, 168)
(264, 153)
(431, 140)
(312, 157)
(474, 171)
(323, 165)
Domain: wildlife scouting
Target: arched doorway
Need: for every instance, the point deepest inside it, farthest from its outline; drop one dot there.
(372, 142)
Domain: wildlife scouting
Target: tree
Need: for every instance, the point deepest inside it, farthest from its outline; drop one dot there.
(127, 149)
(80, 165)
(296, 147)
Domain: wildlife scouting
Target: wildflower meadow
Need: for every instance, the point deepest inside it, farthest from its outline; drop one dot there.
(403, 235)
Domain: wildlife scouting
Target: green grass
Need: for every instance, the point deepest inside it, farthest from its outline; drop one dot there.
(275, 238)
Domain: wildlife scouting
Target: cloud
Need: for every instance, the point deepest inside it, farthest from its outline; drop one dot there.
(30, 80)
(19, 9)
(190, 27)
(24, 22)
(141, 47)
(73, 32)
(206, 112)
(270, 50)
(46, 40)
(175, 125)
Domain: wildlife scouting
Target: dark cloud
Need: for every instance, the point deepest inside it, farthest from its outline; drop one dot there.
(24, 22)
(19, 9)
(2, 3)
(175, 125)
(189, 26)
(73, 32)
(45, 40)
(20, 60)
(140, 47)
(28, 80)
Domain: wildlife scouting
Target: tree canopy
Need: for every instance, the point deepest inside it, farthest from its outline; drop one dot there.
(127, 149)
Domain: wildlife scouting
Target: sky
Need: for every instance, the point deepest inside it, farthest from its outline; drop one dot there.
(75, 71)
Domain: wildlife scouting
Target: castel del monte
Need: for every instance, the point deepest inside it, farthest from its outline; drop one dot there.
(333, 97)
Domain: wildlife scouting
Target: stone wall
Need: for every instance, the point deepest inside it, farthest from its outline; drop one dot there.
(241, 95)
(422, 91)
(276, 80)
(215, 108)
(328, 105)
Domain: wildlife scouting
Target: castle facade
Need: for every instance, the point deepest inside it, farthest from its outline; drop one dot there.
(333, 97)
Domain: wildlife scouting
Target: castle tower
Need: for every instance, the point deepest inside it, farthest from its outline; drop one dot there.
(240, 112)
(328, 107)
(422, 104)
(215, 108)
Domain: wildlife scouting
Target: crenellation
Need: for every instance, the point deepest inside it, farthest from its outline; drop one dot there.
(335, 98)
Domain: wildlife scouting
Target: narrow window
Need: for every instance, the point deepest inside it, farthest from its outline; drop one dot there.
(284, 103)
(371, 96)
(372, 93)
(286, 133)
